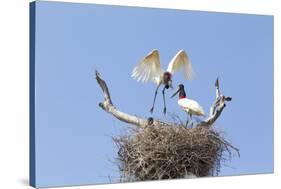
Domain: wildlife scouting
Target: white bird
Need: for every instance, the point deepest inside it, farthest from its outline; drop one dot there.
(149, 69)
(191, 107)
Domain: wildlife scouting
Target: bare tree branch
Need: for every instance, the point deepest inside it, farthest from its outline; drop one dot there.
(108, 106)
(217, 107)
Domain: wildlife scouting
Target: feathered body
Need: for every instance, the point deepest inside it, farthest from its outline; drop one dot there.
(191, 107)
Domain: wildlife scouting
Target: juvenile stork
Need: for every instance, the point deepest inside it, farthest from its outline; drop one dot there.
(191, 107)
(149, 69)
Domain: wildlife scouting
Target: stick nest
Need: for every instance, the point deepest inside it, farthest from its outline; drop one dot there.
(171, 151)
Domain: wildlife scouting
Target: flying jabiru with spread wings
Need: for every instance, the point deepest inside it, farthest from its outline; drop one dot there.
(149, 69)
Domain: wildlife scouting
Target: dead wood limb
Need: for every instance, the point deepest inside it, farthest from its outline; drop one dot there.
(108, 106)
(216, 108)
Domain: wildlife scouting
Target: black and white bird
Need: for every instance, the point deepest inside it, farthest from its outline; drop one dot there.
(191, 107)
(149, 69)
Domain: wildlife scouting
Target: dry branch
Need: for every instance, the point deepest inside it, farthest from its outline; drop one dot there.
(217, 108)
(108, 106)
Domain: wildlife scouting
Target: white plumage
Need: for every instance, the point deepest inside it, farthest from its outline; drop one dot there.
(191, 107)
(149, 69)
(181, 62)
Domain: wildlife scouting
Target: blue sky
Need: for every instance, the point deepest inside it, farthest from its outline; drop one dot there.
(73, 135)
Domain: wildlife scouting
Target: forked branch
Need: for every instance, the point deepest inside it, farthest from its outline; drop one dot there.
(217, 107)
(107, 105)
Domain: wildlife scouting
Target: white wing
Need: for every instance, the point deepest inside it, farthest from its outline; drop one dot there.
(149, 68)
(181, 61)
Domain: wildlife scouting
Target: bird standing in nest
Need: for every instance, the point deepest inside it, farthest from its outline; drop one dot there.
(149, 69)
(191, 107)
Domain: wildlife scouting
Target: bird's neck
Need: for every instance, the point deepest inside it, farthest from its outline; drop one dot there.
(182, 97)
(182, 94)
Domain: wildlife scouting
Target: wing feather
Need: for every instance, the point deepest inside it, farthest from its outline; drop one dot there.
(181, 62)
(148, 69)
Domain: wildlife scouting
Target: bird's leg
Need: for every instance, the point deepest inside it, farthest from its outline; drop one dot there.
(190, 116)
(186, 124)
(151, 110)
(163, 92)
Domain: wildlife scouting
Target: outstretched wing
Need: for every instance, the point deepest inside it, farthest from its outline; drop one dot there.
(181, 61)
(149, 68)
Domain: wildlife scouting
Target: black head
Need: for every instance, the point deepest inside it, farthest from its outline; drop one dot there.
(167, 79)
(181, 86)
(150, 121)
(181, 91)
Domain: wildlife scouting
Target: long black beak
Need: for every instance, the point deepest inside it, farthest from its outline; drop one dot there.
(178, 90)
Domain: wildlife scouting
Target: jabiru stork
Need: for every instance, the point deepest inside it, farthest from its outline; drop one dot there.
(191, 107)
(149, 69)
